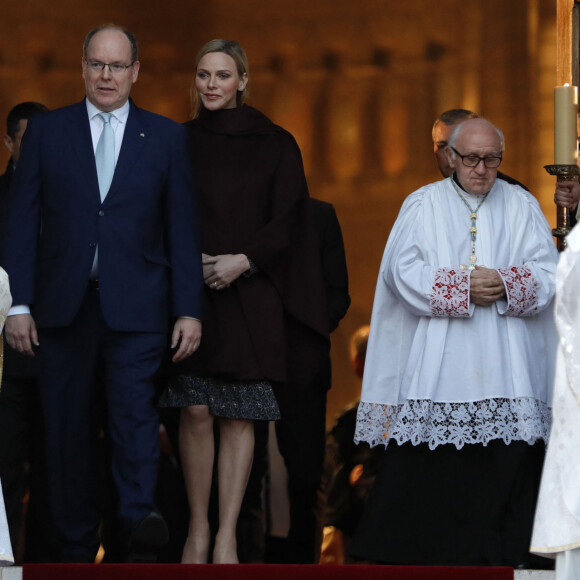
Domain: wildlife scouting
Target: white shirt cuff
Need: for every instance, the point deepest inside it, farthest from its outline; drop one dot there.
(19, 309)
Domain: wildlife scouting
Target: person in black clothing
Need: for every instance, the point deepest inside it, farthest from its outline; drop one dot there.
(22, 462)
(16, 124)
(350, 470)
(301, 431)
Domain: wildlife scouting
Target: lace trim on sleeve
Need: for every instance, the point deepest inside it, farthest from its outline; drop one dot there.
(426, 421)
(450, 293)
(5, 297)
(521, 289)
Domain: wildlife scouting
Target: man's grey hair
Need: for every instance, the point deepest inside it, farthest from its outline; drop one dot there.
(130, 37)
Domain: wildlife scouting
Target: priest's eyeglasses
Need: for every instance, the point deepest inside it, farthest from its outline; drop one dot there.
(473, 160)
(116, 68)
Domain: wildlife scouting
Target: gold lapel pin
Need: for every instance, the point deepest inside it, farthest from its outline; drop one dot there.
(142, 134)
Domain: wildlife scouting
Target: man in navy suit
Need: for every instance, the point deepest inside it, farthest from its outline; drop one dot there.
(96, 276)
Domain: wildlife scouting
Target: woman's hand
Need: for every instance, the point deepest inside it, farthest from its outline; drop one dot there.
(220, 271)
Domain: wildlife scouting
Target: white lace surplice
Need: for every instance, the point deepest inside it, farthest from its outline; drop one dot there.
(557, 523)
(6, 557)
(439, 369)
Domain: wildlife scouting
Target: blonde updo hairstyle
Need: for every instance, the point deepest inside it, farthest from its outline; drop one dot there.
(237, 53)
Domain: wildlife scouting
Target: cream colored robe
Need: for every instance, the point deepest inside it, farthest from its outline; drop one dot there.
(6, 557)
(557, 524)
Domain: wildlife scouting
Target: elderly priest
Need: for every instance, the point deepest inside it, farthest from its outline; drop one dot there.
(459, 369)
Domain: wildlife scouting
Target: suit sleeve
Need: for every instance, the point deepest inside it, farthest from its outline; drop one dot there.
(183, 234)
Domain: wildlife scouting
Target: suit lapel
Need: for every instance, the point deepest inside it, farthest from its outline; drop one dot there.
(79, 133)
(134, 139)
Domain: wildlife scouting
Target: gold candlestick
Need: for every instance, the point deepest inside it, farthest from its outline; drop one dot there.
(562, 173)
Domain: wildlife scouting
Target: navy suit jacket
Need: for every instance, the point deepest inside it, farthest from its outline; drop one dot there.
(149, 258)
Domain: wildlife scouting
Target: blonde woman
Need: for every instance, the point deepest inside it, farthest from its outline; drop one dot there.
(264, 291)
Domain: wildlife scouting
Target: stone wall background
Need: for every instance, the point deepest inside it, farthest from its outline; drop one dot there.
(358, 83)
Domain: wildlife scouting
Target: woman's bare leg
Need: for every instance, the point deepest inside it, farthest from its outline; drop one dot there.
(196, 444)
(236, 453)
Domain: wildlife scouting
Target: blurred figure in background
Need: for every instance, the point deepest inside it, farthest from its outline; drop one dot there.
(350, 470)
(22, 460)
(291, 453)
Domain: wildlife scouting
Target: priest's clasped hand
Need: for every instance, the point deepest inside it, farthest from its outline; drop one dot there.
(486, 286)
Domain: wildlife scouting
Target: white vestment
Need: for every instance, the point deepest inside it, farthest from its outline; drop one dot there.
(557, 523)
(438, 368)
(6, 557)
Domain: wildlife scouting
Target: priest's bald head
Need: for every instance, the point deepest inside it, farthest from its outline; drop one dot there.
(474, 153)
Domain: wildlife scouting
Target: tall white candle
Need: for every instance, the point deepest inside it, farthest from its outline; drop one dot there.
(565, 125)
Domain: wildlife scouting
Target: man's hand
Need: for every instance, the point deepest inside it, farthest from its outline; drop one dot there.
(567, 194)
(21, 333)
(186, 333)
(486, 286)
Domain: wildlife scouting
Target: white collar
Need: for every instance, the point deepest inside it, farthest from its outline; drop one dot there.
(120, 114)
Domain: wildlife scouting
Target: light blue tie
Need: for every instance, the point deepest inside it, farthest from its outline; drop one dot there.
(105, 161)
(105, 156)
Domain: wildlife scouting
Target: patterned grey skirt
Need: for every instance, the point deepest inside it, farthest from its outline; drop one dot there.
(233, 399)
